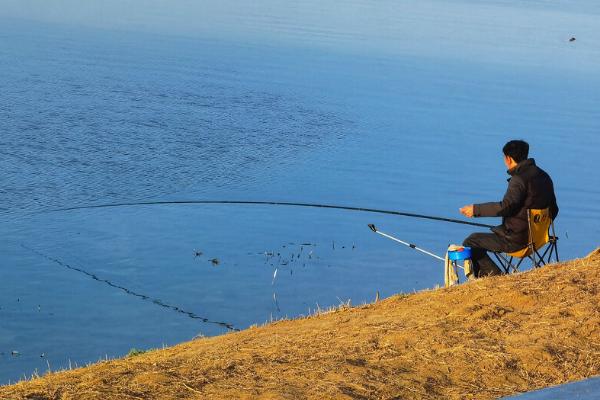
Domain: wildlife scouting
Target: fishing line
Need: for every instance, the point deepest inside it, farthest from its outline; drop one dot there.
(158, 302)
(275, 203)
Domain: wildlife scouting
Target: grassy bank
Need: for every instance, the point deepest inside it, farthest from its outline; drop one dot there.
(485, 339)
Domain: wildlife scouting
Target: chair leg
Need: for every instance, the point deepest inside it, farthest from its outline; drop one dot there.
(547, 255)
(504, 263)
(551, 251)
(516, 268)
(532, 256)
(541, 258)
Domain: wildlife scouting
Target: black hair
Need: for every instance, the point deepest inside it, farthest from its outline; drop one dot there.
(517, 149)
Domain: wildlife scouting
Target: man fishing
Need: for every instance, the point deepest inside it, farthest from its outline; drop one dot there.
(529, 187)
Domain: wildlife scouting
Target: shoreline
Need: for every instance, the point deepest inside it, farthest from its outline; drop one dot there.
(484, 339)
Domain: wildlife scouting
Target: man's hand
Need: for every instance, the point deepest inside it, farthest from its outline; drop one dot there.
(467, 211)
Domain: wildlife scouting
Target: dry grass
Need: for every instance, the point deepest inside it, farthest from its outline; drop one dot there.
(483, 340)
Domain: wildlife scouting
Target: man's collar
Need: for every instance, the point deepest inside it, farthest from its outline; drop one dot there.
(523, 164)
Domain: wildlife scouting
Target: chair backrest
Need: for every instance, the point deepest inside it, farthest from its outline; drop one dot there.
(539, 226)
(540, 222)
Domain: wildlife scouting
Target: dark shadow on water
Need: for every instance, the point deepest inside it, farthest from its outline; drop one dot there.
(158, 302)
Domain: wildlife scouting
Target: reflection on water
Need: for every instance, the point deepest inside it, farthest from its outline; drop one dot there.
(401, 106)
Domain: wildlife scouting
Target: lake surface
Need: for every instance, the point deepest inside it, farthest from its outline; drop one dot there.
(395, 105)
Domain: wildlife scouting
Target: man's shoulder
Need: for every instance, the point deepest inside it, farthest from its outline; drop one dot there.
(541, 173)
(532, 170)
(517, 180)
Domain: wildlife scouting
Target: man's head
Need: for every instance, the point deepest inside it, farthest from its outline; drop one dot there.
(515, 151)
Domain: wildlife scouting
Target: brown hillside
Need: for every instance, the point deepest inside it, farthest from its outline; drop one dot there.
(485, 339)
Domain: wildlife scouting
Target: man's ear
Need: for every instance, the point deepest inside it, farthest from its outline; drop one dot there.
(510, 162)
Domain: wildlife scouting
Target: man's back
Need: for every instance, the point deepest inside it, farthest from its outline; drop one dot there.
(539, 194)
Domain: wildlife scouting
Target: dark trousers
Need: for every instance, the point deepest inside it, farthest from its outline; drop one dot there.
(480, 243)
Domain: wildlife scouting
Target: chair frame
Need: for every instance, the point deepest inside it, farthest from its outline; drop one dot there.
(537, 259)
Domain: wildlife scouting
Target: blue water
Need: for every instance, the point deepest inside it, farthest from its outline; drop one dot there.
(397, 106)
(586, 389)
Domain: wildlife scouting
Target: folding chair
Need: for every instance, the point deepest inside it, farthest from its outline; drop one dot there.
(540, 225)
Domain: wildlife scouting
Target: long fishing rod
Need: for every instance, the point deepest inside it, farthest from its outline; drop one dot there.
(276, 203)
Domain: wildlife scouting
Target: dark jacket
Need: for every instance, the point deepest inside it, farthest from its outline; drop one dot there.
(528, 187)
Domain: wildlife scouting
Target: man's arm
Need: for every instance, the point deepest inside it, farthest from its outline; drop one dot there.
(511, 203)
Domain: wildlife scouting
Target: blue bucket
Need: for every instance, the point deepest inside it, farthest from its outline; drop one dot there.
(463, 253)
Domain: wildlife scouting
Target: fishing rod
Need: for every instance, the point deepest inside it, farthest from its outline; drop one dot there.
(276, 203)
(412, 246)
